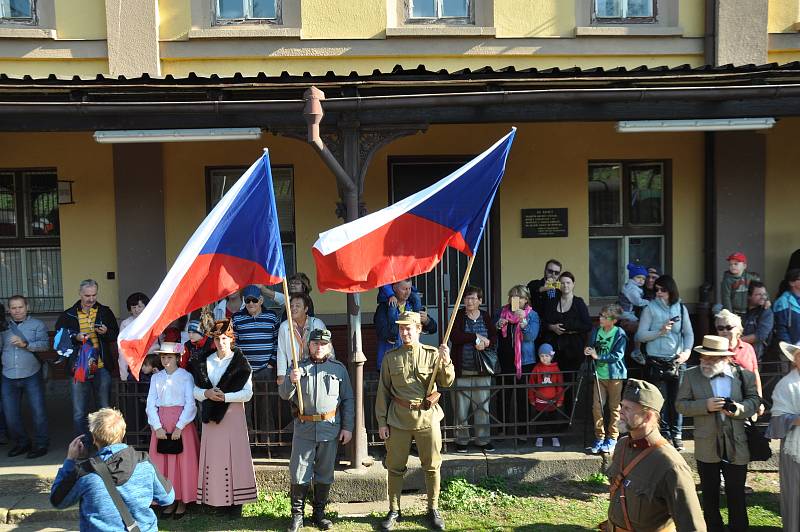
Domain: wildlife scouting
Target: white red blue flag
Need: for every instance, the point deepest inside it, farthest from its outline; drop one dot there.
(239, 243)
(409, 237)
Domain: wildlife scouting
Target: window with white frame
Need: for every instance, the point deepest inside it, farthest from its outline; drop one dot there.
(445, 10)
(624, 11)
(17, 11)
(238, 11)
(627, 221)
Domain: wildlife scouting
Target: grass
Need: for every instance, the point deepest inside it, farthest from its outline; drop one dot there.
(493, 504)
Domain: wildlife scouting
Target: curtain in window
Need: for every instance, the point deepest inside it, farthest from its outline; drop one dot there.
(608, 8)
(15, 9)
(623, 8)
(639, 8)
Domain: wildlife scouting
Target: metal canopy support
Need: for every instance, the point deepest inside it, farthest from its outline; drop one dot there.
(357, 146)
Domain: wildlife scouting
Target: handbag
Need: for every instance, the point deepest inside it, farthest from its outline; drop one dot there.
(486, 361)
(757, 443)
(658, 369)
(170, 446)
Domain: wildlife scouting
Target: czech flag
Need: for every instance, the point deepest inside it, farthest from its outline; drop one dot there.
(410, 237)
(239, 243)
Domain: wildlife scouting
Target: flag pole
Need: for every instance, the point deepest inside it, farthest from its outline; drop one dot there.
(461, 289)
(295, 363)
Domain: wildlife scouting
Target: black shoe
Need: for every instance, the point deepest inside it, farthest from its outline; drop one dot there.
(18, 450)
(677, 442)
(437, 522)
(3, 439)
(391, 519)
(488, 448)
(295, 524)
(461, 448)
(36, 453)
(321, 492)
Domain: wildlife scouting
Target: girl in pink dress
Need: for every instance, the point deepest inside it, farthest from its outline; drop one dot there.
(171, 410)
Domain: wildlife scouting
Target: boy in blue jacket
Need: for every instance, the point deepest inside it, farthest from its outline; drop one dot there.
(138, 482)
(607, 347)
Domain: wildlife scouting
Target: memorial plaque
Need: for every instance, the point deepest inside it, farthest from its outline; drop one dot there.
(544, 223)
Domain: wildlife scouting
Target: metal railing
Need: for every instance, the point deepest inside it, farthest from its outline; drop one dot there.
(512, 418)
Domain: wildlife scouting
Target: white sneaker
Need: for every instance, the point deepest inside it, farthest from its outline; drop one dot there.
(539, 442)
(556, 442)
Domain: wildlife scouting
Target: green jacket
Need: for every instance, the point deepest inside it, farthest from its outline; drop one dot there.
(733, 291)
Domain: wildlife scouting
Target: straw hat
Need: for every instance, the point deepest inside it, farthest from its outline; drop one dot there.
(170, 348)
(789, 350)
(714, 346)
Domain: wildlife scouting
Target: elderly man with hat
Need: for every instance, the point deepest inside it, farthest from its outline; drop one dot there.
(326, 419)
(720, 396)
(407, 408)
(652, 488)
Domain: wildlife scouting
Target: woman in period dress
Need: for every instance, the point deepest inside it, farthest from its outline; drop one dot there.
(222, 385)
(783, 425)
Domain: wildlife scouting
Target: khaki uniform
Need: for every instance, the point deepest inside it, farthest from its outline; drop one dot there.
(405, 374)
(660, 490)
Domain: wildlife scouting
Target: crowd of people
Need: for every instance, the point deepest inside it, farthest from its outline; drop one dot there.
(538, 342)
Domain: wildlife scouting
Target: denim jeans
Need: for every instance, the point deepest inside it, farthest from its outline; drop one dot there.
(33, 387)
(3, 430)
(100, 387)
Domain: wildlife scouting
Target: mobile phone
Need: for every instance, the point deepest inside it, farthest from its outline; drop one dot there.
(98, 324)
(674, 319)
(514, 303)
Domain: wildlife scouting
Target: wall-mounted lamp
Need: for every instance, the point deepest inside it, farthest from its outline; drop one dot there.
(65, 192)
(712, 124)
(176, 135)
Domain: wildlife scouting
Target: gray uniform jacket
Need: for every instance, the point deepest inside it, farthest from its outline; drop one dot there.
(326, 386)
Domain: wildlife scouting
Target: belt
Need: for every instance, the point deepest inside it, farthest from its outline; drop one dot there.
(411, 405)
(319, 417)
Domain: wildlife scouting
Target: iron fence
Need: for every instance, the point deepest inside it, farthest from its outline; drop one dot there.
(512, 418)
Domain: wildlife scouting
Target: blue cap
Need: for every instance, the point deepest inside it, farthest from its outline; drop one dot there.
(546, 349)
(194, 327)
(636, 269)
(251, 291)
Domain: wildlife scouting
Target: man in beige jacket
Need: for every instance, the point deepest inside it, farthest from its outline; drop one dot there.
(720, 396)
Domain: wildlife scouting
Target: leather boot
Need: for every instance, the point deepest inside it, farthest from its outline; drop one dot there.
(321, 492)
(297, 494)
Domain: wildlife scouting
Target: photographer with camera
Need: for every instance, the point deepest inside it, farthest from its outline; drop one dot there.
(666, 329)
(720, 396)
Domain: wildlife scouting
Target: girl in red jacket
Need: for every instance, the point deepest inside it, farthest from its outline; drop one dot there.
(549, 395)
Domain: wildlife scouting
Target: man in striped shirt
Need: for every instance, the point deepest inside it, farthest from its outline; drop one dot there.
(256, 330)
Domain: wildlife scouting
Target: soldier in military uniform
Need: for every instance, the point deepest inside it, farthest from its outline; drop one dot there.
(652, 488)
(327, 419)
(407, 409)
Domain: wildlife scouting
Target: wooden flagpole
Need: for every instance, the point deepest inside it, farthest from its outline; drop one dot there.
(295, 363)
(461, 289)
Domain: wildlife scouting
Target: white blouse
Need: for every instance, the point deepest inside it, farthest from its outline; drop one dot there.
(216, 367)
(171, 390)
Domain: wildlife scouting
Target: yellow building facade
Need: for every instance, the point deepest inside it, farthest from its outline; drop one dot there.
(550, 164)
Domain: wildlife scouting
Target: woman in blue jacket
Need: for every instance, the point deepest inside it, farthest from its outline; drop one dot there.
(667, 330)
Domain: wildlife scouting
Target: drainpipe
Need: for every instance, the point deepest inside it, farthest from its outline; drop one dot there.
(348, 187)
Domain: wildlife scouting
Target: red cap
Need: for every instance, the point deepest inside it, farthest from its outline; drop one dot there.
(738, 257)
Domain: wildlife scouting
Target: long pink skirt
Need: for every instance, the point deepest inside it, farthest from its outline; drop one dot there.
(227, 476)
(180, 469)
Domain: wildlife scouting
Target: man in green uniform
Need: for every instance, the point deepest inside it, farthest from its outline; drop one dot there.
(327, 419)
(652, 488)
(407, 409)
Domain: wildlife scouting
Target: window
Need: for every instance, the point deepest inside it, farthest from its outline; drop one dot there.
(220, 180)
(624, 11)
(30, 253)
(429, 10)
(17, 11)
(239, 11)
(627, 221)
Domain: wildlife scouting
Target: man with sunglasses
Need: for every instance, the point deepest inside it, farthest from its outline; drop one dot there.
(545, 288)
(256, 330)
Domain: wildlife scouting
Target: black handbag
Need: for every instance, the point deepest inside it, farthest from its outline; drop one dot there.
(487, 361)
(170, 446)
(757, 443)
(659, 369)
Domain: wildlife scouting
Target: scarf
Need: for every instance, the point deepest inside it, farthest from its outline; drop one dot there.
(233, 380)
(786, 401)
(511, 317)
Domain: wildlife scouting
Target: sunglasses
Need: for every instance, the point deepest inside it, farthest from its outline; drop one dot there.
(553, 272)
(725, 327)
(606, 317)
(251, 300)
(660, 289)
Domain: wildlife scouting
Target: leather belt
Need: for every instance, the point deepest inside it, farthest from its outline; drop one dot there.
(411, 405)
(319, 417)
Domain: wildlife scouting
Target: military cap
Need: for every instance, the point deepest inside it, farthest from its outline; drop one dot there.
(408, 318)
(644, 393)
(319, 335)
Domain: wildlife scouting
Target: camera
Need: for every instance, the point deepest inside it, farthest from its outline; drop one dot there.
(729, 405)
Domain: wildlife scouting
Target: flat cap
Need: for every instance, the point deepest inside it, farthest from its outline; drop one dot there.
(409, 318)
(320, 335)
(644, 393)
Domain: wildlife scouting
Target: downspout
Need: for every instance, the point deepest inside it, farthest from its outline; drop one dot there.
(313, 114)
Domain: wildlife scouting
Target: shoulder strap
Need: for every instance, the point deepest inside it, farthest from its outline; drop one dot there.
(432, 382)
(101, 468)
(619, 481)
